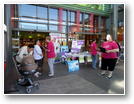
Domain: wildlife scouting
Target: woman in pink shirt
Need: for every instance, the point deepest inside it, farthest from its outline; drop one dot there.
(50, 55)
(109, 56)
(93, 49)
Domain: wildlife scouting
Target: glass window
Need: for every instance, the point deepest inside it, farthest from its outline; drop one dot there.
(64, 15)
(53, 27)
(64, 29)
(86, 19)
(53, 14)
(42, 12)
(86, 16)
(27, 10)
(42, 27)
(27, 26)
(81, 18)
(72, 16)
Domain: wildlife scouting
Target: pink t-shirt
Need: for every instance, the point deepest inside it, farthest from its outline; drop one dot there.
(109, 46)
(93, 48)
(51, 52)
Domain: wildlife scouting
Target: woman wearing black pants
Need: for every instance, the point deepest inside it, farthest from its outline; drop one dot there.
(109, 56)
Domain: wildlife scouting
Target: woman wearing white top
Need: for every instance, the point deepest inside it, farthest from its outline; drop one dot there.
(38, 55)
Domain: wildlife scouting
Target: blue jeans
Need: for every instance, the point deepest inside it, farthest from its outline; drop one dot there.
(94, 61)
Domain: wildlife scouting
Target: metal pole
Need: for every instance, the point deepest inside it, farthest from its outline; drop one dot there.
(10, 74)
(67, 28)
(9, 32)
(115, 19)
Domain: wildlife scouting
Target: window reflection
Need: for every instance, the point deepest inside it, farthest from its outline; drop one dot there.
(27, 10)
(81, 22)
(42, 12)
(64, 29)
(71, 16)
(71, 19)
(86, 23)
(42, 27)
(81, 18)
(53, 14)
(86, 19)
(64, 15)
(27, 25)
(35, 14)
(38, 16)
(53, 27)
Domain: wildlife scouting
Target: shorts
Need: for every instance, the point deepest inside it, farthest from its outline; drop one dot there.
(108, 64)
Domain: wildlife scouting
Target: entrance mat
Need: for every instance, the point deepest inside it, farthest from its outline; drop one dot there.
(70, 84)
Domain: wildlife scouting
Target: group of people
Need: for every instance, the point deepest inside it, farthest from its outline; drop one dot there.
(37, 53)
(109, 50)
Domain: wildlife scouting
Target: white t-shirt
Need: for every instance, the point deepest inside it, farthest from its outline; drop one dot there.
(37, 52)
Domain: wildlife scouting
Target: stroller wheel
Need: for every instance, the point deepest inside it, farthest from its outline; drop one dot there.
(28, 90)
(37, 85)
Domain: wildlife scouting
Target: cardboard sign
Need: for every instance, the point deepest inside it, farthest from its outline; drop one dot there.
(76, 45)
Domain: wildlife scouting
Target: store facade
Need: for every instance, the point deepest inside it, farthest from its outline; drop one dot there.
(67, 22)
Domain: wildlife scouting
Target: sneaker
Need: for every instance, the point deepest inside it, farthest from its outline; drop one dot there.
(51, 75)
(103, 72)
(109, 77)
(110, 73)
(21, 80)
(37, 74)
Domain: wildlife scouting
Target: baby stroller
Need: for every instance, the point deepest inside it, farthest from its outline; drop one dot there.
(26, 70)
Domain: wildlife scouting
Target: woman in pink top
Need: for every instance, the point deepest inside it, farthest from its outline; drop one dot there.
(93, 49)
(109, 57)
(50, 55)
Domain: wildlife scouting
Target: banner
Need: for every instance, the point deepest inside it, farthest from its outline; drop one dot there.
(76, 45)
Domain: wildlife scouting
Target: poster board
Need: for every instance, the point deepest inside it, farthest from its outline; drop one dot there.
(76, 45)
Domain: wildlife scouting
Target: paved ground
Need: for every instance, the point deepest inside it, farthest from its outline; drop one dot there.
(90, 80)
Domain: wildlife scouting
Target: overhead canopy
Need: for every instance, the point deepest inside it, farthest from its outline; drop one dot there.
(98, 9)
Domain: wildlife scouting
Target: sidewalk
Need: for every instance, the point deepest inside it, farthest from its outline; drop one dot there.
(85, 81)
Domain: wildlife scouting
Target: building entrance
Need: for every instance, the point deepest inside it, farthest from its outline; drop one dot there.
(19, 38)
